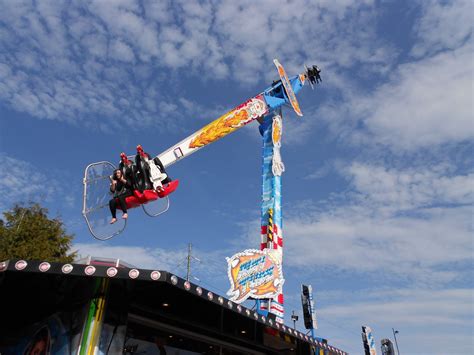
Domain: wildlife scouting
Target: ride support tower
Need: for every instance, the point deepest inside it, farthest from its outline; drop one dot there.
(271, 214)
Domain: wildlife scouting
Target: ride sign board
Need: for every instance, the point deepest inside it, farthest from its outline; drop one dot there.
(369, 339)
(309, 310)
(254, 273)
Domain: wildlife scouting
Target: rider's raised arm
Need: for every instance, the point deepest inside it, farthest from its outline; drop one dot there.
(113, 185)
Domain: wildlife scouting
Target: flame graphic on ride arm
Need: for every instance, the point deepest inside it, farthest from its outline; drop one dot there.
(219, 128)
(231, 121)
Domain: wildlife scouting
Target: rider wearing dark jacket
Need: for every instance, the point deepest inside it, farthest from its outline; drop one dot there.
(121, 188)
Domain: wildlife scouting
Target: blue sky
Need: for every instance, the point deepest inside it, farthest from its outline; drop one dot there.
(378, 188)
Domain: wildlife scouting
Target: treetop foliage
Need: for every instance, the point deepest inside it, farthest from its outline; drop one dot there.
(28, 233)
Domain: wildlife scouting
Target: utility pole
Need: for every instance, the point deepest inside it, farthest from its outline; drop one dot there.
(395, 332)
(188, 260)
(188, 268)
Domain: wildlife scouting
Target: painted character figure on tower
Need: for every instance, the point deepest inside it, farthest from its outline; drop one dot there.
(121, 188)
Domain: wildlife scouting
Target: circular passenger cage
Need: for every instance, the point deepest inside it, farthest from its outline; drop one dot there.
(96, 199)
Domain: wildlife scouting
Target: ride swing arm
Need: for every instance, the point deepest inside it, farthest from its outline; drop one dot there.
(280, 93)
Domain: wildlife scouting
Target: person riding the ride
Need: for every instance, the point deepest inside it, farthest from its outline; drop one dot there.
(121, 188)
(152, 174)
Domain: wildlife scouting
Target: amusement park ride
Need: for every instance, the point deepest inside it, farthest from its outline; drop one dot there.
(106, 306)
(153, 188)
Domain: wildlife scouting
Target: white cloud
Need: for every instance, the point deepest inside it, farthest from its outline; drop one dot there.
(257, 32)
(322, 171)
(426, 103)
(423, 104)
(412, 224)
(424, 317)
(122, 51)
(411, 248)
(209, 269)
(411, 188)
(137, 256)
(403, 304)
(443, 26)
(22, 182)
(72, 62)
